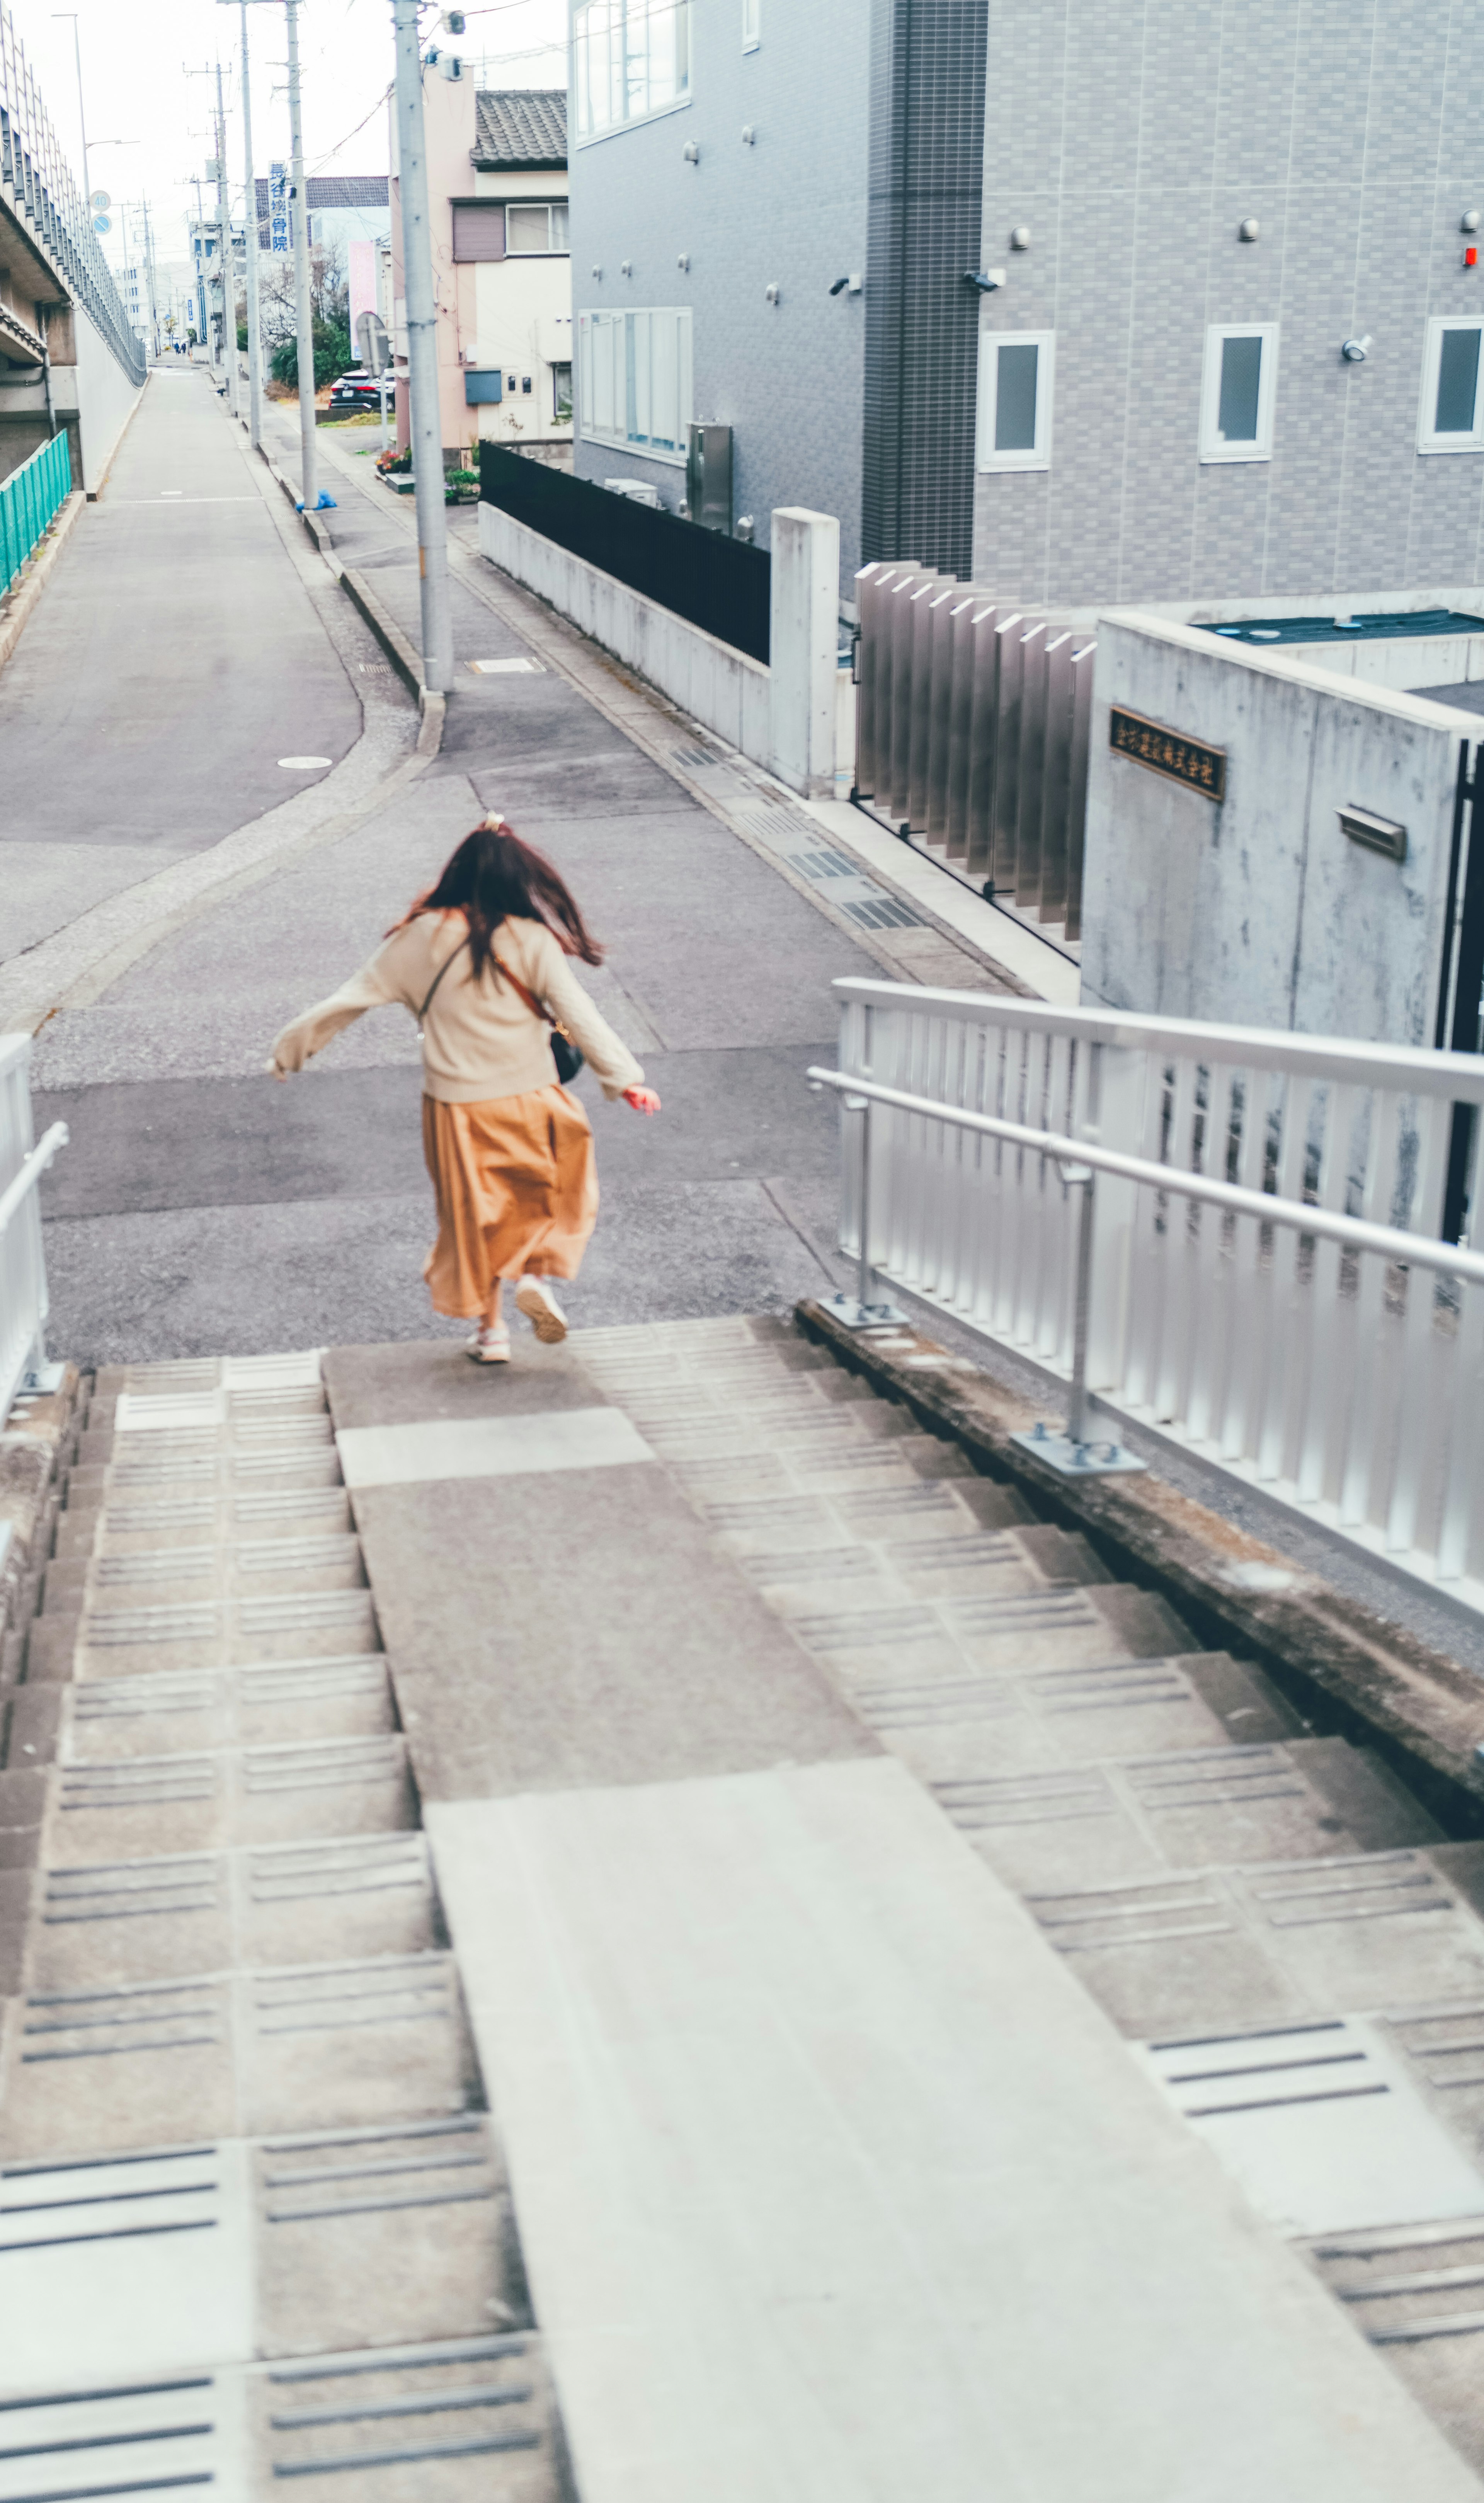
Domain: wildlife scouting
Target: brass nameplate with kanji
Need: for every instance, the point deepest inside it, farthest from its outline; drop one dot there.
(1164, 751)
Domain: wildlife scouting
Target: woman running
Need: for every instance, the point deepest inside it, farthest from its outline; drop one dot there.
(482, 962)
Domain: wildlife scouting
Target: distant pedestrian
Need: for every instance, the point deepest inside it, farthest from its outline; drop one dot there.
(482, 962)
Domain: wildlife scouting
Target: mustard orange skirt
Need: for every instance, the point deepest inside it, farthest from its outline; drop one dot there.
(516, 1185)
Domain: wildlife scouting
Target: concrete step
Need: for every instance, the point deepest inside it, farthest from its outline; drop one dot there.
(1416, 2291)
(346, 2044)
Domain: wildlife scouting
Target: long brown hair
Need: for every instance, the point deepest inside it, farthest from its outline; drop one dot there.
(492, 878)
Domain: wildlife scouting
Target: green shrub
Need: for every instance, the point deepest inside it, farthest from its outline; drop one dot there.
(332, 355)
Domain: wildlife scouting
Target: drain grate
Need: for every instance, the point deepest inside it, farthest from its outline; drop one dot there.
(857, 895)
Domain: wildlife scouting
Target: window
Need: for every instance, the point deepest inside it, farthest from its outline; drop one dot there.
(753, 33)
(479, 232)
(634, 374)
(1015, 398)
(630, 58)
(1450, 418)
(1237, 391)
(562, 395)
(536, 227)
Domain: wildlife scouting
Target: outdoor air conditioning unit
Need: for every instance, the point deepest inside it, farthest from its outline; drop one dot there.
(709, 477)
(638, 490)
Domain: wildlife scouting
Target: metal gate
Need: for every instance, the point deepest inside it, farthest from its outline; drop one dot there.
(972, 723)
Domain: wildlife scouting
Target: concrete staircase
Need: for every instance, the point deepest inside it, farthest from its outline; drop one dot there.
(254, 2220)
(256, 2217)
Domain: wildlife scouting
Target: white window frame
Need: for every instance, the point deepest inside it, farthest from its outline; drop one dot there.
(990, 342)
(752, 30)
(1212, 447)
(551, 250)
(617, 26)
(1427, 437)
(596, 339)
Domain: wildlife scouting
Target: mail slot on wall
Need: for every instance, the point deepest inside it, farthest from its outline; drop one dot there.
(481, 390)
(1376, 834)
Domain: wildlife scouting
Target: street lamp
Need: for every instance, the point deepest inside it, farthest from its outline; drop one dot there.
(77, 54)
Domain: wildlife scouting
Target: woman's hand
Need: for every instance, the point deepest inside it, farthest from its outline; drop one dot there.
(642, 1098)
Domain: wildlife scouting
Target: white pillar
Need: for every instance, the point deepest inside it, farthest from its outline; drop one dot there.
(805, 640)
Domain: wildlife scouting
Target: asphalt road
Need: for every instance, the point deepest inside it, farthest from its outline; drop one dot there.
(203, 1207)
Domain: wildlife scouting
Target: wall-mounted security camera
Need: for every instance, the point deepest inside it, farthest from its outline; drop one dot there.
(851, 285)
(985, 280)
(1355, 351)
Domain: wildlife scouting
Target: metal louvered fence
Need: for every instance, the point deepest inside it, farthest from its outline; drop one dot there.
(1268, 1284)
(972, 725)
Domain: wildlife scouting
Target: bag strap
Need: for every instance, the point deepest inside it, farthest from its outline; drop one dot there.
(537, 1007)
(422, 1015)
(537, 1010)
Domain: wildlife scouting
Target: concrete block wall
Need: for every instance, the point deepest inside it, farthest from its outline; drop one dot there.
(715, 685)
(1133, 137)
(790, 210)
(1261, 911)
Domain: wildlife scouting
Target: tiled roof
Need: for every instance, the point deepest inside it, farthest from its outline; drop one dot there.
(519, 129)
(335, 191)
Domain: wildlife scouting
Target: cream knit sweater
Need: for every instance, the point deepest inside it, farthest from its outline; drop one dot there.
(480, 1040)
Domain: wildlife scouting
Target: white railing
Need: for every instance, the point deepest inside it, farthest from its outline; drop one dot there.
(22, 1266)
(1268, 1281)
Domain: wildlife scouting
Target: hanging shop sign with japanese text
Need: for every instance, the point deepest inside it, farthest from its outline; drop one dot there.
(1164, 751)
(278, 208)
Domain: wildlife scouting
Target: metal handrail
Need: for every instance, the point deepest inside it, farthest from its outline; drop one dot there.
(33, 1165)
(1357, 1232)
(1405, 1068)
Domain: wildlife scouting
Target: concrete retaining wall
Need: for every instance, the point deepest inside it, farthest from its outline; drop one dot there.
(1261, 911)
(95, 399)
(718, 687)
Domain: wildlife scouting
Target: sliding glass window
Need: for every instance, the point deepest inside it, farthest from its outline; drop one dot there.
(629, 58)
(634, 373)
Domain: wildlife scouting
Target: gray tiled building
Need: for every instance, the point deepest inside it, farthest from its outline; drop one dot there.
(1191, 207)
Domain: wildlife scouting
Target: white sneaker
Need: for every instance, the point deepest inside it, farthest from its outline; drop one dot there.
(490, 1344)
(535, 1298)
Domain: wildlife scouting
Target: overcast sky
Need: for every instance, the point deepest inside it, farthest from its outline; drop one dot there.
(137, 60)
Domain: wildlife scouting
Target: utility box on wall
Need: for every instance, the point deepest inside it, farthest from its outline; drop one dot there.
(709, 477)
(1268, 845)
(483, 389)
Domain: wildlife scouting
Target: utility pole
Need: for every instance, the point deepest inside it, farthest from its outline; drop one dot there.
(229, 274)
(149, 272)
(426, 424)
(249, 216)
(308, 451)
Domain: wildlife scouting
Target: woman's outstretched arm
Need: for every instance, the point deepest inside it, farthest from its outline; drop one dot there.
(308, 1034)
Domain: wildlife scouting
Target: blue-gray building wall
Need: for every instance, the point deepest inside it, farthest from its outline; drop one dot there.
(1133, 137)
(789, 211)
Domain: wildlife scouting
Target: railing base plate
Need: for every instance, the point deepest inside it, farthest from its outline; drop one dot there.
(853, 1314)
(1059, 1452)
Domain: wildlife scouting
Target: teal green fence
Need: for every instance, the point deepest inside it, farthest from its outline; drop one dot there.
(28, 498)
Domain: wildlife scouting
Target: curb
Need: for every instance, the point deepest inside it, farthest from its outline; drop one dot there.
(1414, 1705)
(34, 583)
(389, 634)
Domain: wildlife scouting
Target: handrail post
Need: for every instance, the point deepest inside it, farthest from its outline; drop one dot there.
(864, 1280)
(1078, 1406)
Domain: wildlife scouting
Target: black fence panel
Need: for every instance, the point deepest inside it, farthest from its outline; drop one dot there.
(717, 583)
